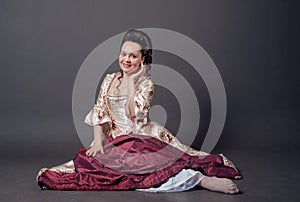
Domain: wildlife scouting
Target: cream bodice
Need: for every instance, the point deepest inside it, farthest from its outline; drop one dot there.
(119, 115)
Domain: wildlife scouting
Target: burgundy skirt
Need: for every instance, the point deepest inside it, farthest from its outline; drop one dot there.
(132, 162)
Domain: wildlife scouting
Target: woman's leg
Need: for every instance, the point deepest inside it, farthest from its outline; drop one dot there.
(219, 184)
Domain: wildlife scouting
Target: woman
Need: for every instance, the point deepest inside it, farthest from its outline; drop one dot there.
(129, 152)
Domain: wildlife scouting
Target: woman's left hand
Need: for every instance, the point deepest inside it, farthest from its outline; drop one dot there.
(92, 151)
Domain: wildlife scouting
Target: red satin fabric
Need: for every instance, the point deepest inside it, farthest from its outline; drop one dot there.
(131, 162)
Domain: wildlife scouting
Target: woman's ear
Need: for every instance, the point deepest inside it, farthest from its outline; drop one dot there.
(143, 60)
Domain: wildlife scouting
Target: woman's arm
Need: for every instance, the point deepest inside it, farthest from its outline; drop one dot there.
(130, 98)
(98, 139)
(131, 91)
(98, 117)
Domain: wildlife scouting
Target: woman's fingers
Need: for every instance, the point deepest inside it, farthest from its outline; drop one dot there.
(87, 152)
(100, 150)
(93, 152)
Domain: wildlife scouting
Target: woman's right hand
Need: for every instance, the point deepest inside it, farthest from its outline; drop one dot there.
(92, 151)
(139, 72)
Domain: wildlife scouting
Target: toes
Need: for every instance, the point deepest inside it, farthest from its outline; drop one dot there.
(232, 188)
(232, 184)
(234, 191)
(231, 192)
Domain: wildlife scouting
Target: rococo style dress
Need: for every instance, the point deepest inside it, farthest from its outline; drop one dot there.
(138, 154)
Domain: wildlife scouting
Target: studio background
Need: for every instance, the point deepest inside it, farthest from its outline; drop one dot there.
(254, 44)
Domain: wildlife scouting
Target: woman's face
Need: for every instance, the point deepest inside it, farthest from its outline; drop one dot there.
(130, 57)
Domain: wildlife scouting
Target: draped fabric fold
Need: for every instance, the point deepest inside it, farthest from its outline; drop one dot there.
(131, 162)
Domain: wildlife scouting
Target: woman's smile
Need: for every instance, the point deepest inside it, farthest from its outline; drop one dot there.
(126, 65)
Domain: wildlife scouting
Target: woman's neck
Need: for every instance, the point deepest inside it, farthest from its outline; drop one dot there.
(125, 77)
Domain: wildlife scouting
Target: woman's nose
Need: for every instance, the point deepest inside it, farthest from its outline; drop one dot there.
(127, 58)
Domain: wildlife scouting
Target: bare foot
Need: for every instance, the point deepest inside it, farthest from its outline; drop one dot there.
(219, 184)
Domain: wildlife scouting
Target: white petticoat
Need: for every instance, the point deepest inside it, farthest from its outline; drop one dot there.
(184, 180)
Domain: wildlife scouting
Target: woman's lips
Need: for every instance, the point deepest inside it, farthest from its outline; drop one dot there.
(126, 65)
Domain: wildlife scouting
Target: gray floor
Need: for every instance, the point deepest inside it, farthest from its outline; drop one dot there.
(268, 176)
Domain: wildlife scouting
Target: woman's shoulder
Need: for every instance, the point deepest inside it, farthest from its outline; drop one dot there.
(113, 75)
(145, 84)
(107, 80)
(110, 76)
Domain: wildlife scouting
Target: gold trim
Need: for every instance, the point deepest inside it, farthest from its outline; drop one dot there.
(238, 177)
(227, 162)
(67, 167)
(40, 172)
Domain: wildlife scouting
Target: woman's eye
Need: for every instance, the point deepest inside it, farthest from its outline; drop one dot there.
(134, 56)
(122, 54)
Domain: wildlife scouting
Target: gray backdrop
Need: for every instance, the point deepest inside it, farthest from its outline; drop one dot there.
(254, 44)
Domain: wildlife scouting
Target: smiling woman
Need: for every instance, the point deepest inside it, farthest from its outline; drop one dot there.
(129, 152)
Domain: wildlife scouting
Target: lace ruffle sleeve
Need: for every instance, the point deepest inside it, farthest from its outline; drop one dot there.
(142, 99)
(100, 113)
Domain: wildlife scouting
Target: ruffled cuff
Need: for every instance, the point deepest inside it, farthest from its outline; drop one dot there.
(97, 116)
